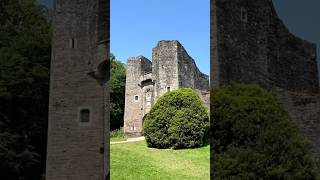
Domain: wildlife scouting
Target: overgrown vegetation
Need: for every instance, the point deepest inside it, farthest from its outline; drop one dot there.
(117, 135)
(178, 119)
(25, 51)
(254, 137)
(117, 90)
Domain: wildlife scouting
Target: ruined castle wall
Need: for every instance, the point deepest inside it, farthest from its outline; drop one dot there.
(75, 149)
(148, 97)
(205, 97)
(189, 74)
(165, 67)
(255, 47)
(242, 41)
(170, 69)
(252, 45)
(134, 95)
(292, 61)
(146, 66)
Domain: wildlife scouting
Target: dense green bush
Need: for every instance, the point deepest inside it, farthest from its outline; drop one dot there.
(254, 137)
(178, 120)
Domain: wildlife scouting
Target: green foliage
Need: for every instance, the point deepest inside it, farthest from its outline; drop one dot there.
(25, 50)
(117, 135)
(117, 90)
(254, 137)
(178, 119)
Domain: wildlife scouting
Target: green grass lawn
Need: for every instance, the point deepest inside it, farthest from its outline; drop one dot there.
(115, 139)
(136, 161)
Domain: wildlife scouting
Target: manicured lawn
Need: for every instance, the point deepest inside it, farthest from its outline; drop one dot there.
(135, 160)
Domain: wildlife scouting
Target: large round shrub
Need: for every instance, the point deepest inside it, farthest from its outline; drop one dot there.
(255, 138)
(178, 120)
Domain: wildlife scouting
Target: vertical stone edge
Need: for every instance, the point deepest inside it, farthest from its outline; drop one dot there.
(107, 105)
(213, 83)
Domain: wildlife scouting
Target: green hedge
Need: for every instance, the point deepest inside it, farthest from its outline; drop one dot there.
(255, 138)
(177, 120)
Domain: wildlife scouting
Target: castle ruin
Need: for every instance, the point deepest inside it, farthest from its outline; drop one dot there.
(250, 44)
(171, 68)
(78, 128)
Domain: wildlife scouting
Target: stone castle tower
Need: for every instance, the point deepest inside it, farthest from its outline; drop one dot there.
(250, 44)
(78, 136)
(253, 45)
(171, 68)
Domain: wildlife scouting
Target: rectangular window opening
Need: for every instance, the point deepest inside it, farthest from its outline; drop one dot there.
(72, 46)
(84, 115)
(244, 15)
(72, 43)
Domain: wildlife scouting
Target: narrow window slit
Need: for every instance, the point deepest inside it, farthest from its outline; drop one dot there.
(84, 115)
(244, 15)
(136, 98)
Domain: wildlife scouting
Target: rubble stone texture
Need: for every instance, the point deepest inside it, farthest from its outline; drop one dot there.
(250, 44)
(171, 68)
(79, 71)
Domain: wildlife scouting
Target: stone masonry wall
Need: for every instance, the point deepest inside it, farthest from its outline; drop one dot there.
(189, 74)
(292, 61)
(133, 114)
(242, 41)
(304, 108)
(252, 45)
(165, 67)
(170, 69)
(255, 46)
(76, 149)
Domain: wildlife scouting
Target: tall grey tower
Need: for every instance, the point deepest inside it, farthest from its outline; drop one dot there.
(78, 129)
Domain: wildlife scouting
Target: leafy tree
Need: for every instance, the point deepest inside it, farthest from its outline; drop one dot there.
(25, 50)
(117, 92)
(254, 137)
(178, 119)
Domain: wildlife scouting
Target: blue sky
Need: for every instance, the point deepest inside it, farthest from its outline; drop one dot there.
(301, 17)
(137, 26)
